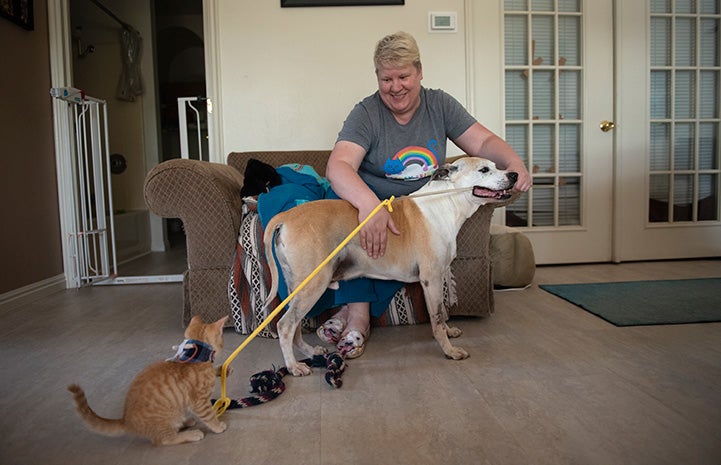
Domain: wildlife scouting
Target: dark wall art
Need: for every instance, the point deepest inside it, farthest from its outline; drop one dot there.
(19, 12)
(296, 3)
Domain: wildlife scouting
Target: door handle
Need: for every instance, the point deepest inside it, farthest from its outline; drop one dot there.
(607, 125)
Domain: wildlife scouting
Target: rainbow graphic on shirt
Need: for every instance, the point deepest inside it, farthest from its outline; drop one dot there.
(412, 162)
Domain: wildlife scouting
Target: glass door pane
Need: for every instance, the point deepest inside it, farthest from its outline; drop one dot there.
(543, 76)
(684, 111)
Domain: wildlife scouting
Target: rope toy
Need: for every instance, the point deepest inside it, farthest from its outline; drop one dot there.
(224, 401)
(269, 384)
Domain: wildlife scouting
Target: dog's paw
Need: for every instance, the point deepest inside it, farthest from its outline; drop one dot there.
(300, 369)
(457, 353)
(452, 331)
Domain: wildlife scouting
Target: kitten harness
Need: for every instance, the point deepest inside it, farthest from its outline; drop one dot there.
(192, 351)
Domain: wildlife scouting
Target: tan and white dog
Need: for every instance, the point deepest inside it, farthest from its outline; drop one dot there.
(305, 235)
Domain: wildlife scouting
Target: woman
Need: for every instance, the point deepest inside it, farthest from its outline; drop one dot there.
(390, 144)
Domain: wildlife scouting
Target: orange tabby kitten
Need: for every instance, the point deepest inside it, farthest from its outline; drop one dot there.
(167, 396)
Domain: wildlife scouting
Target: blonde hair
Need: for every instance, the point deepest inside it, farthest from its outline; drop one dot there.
(399, 49)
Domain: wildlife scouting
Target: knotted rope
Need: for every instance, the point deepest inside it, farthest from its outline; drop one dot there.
(268, 384)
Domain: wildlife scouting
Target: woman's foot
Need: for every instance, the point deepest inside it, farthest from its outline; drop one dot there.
(331, 331)
(352, 342)
(349, 329)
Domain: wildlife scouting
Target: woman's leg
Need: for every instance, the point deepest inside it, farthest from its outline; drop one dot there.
(353, 340)
(358, 317)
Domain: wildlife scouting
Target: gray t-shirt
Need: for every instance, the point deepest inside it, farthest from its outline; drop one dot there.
(401, 158)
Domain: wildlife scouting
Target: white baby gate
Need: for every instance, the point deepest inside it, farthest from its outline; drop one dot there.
(185, 103)
(91, 237)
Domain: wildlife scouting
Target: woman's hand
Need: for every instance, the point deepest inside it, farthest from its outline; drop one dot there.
(374, 234)
(479, 141)
(525, 181)
(342, 172)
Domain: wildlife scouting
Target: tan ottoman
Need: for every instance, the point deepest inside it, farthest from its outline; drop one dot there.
(514, 264)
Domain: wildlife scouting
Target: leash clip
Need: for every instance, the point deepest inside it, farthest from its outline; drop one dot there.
(221, 405)
(388, 202)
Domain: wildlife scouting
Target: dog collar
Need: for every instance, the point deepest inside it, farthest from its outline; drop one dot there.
(192, 351)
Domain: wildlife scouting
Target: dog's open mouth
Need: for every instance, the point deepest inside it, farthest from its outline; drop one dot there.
(484, 193)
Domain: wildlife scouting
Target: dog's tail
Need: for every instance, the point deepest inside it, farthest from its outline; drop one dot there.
(269, 242)
(95, 422)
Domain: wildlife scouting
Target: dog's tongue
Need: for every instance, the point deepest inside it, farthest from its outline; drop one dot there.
(479, 191)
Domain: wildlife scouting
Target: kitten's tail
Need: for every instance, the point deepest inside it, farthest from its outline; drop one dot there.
(97, 423)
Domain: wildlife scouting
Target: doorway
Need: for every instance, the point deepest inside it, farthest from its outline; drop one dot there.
(668, 153)
(558, 80)
(143, 131)
(180, 71)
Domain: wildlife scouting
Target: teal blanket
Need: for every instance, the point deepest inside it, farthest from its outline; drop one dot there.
(302, 184)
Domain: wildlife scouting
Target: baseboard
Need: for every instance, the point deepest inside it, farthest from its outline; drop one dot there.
(17, 297)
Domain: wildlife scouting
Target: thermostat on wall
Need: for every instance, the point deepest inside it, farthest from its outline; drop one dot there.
(442, 21)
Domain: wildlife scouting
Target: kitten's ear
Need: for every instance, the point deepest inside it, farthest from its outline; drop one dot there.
(221, 323)
(194, 327)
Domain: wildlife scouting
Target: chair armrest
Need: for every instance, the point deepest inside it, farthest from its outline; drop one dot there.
(473, 268)
(206, 197)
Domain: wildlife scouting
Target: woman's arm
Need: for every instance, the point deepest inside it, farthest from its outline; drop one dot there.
(342, 172)
(479, 141)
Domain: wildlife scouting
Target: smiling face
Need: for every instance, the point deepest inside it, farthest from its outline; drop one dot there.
(400, 89)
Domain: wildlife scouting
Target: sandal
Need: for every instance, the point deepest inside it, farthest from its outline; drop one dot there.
(353, 344)
(330, 332)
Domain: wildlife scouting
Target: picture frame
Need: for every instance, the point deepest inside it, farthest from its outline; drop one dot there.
(302, 3)
(19, 12)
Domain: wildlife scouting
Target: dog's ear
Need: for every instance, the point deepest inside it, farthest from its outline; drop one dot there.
(444, 172)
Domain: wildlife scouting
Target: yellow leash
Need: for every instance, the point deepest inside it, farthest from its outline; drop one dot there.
(221, 405)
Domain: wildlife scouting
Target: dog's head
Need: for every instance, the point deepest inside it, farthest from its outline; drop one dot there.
(481, 176)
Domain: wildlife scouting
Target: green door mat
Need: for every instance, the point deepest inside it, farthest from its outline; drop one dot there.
(635, 303)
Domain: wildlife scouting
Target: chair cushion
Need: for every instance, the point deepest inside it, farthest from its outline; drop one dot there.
(514, 264)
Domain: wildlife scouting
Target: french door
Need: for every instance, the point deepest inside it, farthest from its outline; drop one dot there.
(621, 133)
(558, 62)
(668, 134)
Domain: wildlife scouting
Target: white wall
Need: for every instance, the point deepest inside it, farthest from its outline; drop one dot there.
(289, 76)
